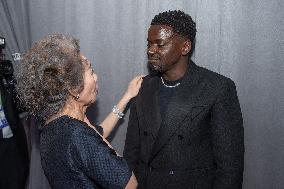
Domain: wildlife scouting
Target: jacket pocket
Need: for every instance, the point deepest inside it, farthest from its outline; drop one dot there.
(196, 110)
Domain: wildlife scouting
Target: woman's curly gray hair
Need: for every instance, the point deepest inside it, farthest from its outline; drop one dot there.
(49, 71)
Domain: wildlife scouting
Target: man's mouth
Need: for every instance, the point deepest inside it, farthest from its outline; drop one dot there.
(153, 59)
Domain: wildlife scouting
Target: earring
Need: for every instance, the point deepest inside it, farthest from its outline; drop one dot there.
(77, 97)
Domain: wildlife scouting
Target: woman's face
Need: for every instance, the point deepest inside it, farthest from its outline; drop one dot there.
(89, 93)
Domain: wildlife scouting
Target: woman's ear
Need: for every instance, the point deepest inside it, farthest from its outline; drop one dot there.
(74, 94)
(186, 47)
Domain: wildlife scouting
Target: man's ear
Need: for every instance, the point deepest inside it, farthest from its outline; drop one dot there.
(186, 47)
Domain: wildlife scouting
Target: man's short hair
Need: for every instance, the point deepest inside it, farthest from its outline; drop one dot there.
(180, 22)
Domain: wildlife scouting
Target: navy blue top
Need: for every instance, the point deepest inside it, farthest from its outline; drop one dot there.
(75, 156)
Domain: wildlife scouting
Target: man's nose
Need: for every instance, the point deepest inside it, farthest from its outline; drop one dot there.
(151, 50)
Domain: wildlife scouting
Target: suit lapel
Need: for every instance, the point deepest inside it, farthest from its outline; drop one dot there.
(179, 108)
(150, 106)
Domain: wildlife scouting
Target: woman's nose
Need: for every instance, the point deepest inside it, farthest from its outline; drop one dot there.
(95, 77)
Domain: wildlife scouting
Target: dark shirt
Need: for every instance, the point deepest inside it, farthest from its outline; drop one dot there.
(165, 94)
(75, 156)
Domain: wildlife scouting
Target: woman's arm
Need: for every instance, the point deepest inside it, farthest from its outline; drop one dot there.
(132, 183)
(110, 121)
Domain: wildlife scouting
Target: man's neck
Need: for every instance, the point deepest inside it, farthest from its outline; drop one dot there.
(176, 72)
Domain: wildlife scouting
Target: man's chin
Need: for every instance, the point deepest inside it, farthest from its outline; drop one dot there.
(155, 68)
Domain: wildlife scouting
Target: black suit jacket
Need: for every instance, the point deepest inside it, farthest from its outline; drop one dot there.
(200, 144)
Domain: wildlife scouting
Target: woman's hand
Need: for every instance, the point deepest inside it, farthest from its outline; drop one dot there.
(134, 87)
(110, 121)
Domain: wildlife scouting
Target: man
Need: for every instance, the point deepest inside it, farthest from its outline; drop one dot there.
(185, 127)
(14, 157)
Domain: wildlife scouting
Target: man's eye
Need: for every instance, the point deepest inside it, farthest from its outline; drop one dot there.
(160, 45)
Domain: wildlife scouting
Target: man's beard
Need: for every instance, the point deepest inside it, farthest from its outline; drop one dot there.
(155, 68)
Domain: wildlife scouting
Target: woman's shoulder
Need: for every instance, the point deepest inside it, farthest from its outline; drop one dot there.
(66, 133)
(64, 121)
(67, 127)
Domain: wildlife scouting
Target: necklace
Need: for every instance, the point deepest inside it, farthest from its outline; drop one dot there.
(169, 86)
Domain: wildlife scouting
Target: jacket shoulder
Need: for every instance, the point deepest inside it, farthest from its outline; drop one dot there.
(213, 78)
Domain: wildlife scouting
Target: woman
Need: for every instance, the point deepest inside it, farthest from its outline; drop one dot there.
(57, 84)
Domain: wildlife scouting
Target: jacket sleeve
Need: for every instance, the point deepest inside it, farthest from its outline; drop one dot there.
(132, 142)
(228, 139)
